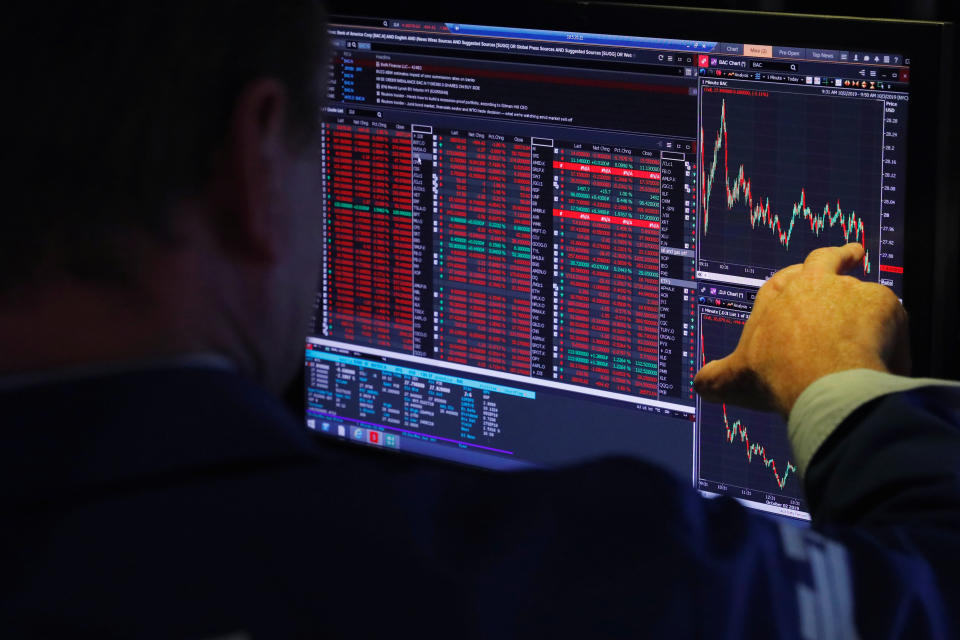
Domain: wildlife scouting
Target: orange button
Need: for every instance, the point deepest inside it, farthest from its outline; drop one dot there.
(758, 50)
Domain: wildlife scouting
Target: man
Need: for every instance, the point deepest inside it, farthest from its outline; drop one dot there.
(164, 212)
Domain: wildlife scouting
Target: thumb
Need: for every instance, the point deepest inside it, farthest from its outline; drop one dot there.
(716, 379)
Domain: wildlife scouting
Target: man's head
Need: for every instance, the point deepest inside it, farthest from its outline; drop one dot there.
(165, 156)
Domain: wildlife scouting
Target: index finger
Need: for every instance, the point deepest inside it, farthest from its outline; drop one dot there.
(834, 260)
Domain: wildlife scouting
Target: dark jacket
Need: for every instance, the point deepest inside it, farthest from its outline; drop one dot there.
(187, 503)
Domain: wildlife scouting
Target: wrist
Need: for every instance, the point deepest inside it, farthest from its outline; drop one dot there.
(793, 385)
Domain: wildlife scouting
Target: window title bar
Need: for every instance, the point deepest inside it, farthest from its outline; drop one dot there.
(581, 38)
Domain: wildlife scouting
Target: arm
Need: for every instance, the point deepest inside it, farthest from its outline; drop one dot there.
(830, 400)
(885, 485)
(879, 452)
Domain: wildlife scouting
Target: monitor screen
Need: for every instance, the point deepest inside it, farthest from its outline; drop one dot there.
(534, 238)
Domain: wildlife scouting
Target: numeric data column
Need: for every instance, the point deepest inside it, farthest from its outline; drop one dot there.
(606, 295)
(482, 315)
(516, 191)
(369, 234)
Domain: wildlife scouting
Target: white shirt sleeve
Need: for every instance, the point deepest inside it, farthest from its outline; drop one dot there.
(828, 401)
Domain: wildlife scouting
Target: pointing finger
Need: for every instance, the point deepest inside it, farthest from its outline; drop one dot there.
(834, 260)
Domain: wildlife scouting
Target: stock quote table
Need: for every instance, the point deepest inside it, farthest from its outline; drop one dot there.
(533, 257)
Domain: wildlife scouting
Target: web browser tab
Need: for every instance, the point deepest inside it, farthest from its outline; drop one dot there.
(824, 54)
(758, 50)
(789, 52)
(730, 48)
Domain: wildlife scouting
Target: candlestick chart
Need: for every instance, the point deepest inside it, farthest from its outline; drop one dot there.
(743, 453)
(785, 173)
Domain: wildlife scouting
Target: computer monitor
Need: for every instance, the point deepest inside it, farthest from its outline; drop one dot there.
(538, 226)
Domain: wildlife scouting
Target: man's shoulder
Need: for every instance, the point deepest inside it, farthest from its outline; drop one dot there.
(83, 433)
(143, 436)
(180, 486)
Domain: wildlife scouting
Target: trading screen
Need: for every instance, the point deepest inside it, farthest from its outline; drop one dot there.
(533, 239)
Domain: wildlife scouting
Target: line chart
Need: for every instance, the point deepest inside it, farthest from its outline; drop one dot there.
(754, 448)
(805, 150)
(746, 453)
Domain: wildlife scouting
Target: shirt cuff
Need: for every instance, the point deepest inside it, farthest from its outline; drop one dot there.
(828, 401)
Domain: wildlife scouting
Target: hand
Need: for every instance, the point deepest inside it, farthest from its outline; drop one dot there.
(808, 321)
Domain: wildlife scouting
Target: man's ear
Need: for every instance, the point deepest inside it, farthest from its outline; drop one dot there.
(247, 173)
